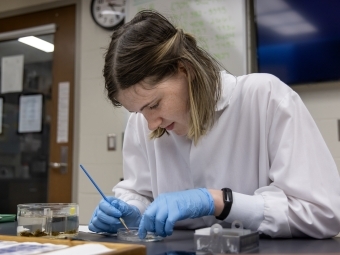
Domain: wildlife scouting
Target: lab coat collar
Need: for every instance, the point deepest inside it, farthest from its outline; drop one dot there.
(228, 84)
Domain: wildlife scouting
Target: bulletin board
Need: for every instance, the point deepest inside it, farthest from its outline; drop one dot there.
(218, 25)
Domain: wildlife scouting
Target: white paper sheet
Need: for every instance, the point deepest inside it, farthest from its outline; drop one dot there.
(63, 109)
(83, 249)
(12, 70)
(1, 113)
(27, 248)
(30, 113)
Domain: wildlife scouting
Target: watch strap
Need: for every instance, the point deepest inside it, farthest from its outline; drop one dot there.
(228, 202)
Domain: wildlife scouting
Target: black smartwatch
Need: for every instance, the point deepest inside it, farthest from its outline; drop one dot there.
(228, 202)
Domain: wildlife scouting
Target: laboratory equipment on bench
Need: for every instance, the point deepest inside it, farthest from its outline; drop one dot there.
(49, 220)
(131, 235)
(217, 239)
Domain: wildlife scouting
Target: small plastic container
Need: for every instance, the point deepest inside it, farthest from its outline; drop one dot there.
(50, 220)
(131, 235)
(219, 240)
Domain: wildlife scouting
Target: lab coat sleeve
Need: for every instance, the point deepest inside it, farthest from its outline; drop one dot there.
(135, 188)
(303, 198)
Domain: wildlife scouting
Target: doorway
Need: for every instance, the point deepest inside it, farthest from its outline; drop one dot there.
(36, 124)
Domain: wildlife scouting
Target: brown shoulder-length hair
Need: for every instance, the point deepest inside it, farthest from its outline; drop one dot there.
(149, 46)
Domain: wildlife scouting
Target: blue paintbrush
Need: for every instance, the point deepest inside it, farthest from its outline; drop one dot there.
(101, 193)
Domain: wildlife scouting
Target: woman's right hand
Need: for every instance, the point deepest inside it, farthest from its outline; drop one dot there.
(106, 216)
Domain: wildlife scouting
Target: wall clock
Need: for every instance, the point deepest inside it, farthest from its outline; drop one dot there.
(108, 14)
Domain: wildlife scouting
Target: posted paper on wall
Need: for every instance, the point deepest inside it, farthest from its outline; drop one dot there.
(12, 70)
(63, 109)
(30, 113)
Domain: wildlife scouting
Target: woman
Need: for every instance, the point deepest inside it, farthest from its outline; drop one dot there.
(197, 130)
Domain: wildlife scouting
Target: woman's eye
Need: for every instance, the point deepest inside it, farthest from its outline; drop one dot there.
(154, 106)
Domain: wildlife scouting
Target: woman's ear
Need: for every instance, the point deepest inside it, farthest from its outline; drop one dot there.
(182, 68)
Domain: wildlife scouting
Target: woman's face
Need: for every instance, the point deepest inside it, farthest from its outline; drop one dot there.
(164, 105)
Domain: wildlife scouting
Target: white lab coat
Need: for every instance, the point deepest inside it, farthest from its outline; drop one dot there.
(264, 145)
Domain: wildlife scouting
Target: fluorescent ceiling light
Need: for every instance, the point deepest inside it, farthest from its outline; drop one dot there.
(287, 23)
(270, 6)
(281, 18)
(295, 29)
(37, 43)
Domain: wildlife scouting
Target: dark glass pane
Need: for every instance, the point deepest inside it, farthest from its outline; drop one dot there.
(24, 157)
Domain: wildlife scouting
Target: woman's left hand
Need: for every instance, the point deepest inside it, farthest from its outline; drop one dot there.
(162, 214)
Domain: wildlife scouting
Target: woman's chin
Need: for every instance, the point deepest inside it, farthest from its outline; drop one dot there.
(180, 133)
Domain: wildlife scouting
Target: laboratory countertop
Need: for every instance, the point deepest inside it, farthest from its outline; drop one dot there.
(182, 243)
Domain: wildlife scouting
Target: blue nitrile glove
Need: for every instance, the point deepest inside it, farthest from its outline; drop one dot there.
(106, 216)
(162, 214)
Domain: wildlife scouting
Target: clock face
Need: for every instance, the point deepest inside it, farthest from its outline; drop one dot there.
(108, 14)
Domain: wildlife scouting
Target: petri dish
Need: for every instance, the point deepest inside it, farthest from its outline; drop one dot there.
(131, 235)
(49, 220)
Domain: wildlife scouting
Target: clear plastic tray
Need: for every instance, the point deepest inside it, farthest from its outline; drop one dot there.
(131, 235)
(50, 220)
(220, 240)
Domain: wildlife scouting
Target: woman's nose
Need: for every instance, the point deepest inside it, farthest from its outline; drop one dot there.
(153, 121)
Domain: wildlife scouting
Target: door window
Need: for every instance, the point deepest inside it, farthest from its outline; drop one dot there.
(24, 156)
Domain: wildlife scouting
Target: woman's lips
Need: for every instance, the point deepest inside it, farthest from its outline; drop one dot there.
(171, 126)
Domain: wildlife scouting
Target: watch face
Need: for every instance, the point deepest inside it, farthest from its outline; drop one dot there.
(108, 14)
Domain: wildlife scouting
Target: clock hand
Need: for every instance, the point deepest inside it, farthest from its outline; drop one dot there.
(112, 4)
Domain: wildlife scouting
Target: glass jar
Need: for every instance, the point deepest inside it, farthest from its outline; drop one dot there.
(51, 220)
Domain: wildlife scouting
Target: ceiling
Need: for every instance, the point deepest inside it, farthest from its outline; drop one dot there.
(31, 54)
